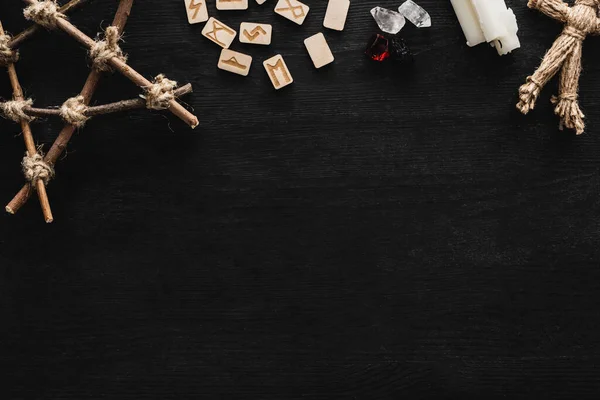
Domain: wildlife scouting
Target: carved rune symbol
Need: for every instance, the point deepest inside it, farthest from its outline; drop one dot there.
(216, 28)
(196, 7)
(272, 70)
(256, 32)
(234, 63)
(293, 9)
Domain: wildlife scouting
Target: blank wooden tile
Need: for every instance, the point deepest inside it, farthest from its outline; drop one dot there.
(278, 72)
(255, 33)
(292, 10)
(261, 2)
(196, 11)
(232, 4)
(319, 51)
(235, 62)
(219, 33)
(335, 17)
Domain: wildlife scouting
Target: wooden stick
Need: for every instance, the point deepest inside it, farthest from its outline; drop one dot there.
(119, 106)
(28, 137)
(131, 74)
(89, 88)
(18, 39)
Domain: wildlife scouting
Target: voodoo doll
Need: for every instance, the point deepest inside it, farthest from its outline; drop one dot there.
(580, 20)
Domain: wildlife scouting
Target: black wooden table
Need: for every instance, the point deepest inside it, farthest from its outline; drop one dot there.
(367, 233)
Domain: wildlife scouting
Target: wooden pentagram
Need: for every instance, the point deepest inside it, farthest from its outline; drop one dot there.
(159, 94)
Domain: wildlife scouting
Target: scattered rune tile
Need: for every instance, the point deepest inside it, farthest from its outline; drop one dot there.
(415, 14)
(278, 72)
(232, 5)
(336, 14)
(219, 33)
(388, 21)
(292, 10)
(254, 33)
(196, 11)
(319, 50)
(235, 62)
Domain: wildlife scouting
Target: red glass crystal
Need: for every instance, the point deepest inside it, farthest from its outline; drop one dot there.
(378, 48)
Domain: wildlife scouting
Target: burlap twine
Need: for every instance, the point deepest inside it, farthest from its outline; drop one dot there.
(44, 13)
(565, 55)
(7, 55)
(14, 110)
(160, 94)
(35, 168)
(73, 111)
(104, 50)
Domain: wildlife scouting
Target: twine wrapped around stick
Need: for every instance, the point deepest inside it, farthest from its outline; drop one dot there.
(103, 50)
(565, 55)
(73, 111)
(160, 94)
(35, 168)
(15, 110)
(7, 55)
(44, 13)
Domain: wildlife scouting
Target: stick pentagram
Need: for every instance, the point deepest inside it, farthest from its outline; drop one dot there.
(160, 94)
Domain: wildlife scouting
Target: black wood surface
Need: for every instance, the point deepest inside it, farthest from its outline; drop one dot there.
(366, 233)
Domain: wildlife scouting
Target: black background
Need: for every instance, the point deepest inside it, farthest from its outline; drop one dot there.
(368, 232)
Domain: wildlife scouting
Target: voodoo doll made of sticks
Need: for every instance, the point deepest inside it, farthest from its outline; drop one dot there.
(580, 20)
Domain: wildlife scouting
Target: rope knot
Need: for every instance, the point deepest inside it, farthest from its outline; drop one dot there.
(35, 168)
(104, 50)
(15, 110)
(160, 94)
(43, 12)
(534, 81)
(564, 96)
(7, 55)
(574, 32)
(73, 111)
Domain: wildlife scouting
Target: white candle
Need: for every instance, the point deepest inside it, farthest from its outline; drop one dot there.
(488, 21)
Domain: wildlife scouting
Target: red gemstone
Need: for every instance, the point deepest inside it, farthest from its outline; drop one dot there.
(378, 48)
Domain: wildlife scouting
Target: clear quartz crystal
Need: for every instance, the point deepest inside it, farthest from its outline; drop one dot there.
(415, 14)
(389, 21)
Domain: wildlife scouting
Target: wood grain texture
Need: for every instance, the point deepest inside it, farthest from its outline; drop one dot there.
(365, 233)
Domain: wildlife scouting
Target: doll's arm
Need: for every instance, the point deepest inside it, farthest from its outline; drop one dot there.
(556, 9)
